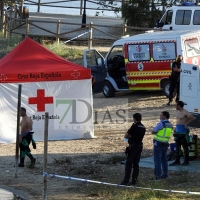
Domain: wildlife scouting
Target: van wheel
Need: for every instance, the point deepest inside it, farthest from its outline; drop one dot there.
(108, 90)
(165, 87)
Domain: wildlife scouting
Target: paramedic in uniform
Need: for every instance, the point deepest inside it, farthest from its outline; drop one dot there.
(162, 132)
(175, 79)
(135, 136)
(183, 118)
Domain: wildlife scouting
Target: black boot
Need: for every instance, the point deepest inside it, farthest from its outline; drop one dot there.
(134, 181)
(168, 104)
(186, 160)
(124, 182)
(21, 164)
(33, 160)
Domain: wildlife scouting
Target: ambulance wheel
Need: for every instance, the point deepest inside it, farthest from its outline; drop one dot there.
(108, 90)
(165, 88)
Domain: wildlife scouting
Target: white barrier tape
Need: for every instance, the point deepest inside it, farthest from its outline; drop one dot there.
(104, 183)
(76, 37)
(45, 174)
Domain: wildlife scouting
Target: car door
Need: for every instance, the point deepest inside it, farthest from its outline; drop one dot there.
(95, 61)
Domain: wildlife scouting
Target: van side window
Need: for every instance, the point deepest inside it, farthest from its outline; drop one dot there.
(196, 18)
(167, 18)
(192, 47)
(183, 17)
(138, 52)
(116, 50)
(164, 51)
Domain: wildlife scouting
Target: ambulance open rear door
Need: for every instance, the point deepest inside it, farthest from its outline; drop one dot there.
(190, 90)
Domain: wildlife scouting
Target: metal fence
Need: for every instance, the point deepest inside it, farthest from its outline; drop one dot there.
(60, 30)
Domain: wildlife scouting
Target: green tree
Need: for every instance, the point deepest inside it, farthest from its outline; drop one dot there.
(144, 13)
(140, 13)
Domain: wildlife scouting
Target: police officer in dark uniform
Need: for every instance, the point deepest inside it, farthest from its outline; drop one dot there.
(135, 136)
(175, 79)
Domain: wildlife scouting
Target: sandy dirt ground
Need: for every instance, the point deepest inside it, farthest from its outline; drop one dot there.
(80, 158)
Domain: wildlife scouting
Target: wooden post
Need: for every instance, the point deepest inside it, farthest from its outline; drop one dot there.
(15, 16)
(58, 32)
(18, 131)
(124, 28)
(4, 22)
(90, 36)
(9, 26)
(2, 7)
(38, 10)
(27, 27)
(22, 8)
(5, 27)
(81, 7)
(45, 155)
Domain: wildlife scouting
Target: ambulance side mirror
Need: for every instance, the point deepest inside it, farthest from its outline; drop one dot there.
(157, 23)
(161, 24)
(99, 62)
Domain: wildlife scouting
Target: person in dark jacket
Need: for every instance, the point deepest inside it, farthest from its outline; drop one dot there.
(135, 136)
(175, 79)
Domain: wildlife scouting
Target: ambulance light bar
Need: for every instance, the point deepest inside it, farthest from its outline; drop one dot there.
(188, 4)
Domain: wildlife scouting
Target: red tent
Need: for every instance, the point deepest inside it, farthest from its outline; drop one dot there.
(30, 62)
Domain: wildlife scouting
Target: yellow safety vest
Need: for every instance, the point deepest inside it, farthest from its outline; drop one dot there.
(164, 134)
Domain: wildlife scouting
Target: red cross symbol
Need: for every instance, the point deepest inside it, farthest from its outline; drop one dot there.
(40, 100)
(75, 74)
(3, 77)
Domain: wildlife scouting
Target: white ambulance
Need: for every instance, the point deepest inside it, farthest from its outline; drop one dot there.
(183, 17)
(142, 62)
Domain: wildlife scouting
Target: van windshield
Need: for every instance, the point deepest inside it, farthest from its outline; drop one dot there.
(167, 17)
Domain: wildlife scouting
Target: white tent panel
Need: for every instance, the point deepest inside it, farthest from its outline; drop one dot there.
(69, 104)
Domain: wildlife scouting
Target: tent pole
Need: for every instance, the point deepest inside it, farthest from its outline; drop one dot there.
(18, 131)
(45, 155)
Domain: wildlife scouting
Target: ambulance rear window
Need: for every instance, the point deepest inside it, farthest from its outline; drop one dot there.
(138, 52)
(164, 51)
(192, 47)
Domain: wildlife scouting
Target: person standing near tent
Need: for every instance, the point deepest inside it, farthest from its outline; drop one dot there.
(162, 132)
(175, 79)
(135, 136)
(181, 134)
(26, 138)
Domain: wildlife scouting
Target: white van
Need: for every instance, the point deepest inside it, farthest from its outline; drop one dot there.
(180, 18)
(142, 62)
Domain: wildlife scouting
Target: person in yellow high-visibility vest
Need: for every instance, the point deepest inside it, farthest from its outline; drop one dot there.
(162, 133)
